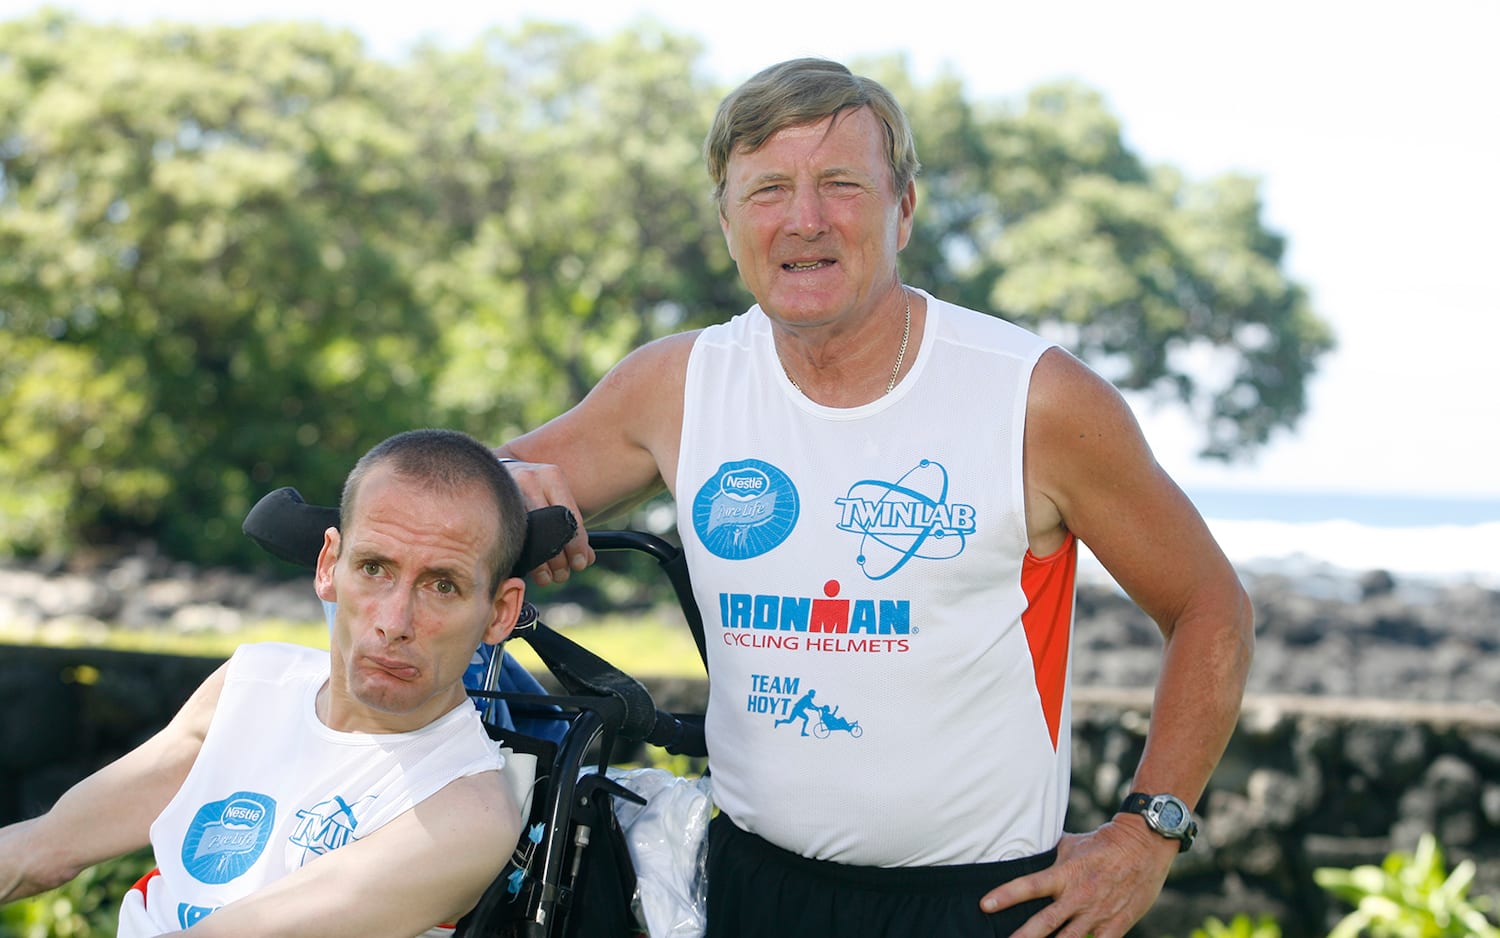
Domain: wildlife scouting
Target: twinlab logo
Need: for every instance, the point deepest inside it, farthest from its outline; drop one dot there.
(910, 518)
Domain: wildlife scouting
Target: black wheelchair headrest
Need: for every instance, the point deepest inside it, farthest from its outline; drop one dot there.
(290, 529)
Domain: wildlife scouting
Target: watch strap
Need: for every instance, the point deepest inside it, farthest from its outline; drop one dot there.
(1135, 803)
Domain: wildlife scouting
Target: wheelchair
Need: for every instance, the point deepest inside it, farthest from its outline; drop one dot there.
(571, 875)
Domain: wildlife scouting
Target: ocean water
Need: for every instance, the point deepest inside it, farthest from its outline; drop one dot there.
(1436, 539)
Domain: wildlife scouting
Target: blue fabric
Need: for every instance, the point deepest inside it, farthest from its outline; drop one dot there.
(514, 678)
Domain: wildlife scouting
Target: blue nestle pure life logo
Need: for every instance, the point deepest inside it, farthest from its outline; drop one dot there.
(745, 509)
(227, 837)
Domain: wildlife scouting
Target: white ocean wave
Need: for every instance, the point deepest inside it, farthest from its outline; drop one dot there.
(1439, 552)
(1443, 553)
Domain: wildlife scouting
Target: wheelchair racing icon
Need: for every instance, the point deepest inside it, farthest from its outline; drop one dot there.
(828, 722)
(831, 722)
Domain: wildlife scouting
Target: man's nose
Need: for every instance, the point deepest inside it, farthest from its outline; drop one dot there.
(394, 616)
(805, 215)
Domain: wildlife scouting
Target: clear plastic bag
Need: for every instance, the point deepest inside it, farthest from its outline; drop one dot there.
(668, 842)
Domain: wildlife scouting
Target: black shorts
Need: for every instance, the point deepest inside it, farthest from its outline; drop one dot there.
(758, 890)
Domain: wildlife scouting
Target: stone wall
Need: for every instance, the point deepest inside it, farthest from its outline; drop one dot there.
(1307, 781)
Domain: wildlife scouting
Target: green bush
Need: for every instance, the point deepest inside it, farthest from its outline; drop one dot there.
(1241, 926)
(1409, 895)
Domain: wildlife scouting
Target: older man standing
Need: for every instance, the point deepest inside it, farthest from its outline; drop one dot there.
(881, 495)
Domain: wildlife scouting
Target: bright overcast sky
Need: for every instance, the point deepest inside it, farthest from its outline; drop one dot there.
(1374, 127)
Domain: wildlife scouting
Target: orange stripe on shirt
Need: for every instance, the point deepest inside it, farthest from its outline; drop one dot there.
(1048, 621)
(140, 884)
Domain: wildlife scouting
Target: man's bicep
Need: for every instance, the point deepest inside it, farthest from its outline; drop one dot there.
(1087, 456)
(618, 445)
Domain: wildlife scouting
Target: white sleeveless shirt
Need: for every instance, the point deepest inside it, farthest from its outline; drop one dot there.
(888, 663)
(274, 788)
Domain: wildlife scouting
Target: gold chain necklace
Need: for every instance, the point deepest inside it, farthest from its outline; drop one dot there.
(900, 355)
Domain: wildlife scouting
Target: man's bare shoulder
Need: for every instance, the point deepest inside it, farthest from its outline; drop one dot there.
(1081, 441)
(659, 360)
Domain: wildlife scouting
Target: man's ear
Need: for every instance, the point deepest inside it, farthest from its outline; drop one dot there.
(328, 557)
(908, 209)
(507, 608)
(728, 240)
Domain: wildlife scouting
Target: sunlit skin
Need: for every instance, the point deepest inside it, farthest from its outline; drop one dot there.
(411, 577)
(814, 222)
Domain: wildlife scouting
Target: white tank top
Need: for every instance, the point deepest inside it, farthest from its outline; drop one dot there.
(888, 664)
(274, 788)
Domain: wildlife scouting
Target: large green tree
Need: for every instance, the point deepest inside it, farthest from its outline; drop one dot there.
(207, 242)
(233, 258)
(589, 228)
(1040, 213)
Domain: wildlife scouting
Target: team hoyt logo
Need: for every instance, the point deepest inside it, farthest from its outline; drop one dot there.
(783, 697)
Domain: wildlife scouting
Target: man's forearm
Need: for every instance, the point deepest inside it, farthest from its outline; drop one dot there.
(25, 869)
(89, 824)
(39, 854)
(1197, 703)
(106, 815)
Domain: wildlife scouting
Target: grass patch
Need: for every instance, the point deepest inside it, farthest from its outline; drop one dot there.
(164, 641)
(641, 646)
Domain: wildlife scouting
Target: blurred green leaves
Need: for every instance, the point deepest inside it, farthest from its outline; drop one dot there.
(1409, 895)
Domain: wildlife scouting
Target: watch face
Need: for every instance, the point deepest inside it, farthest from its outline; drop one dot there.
(1171, 816)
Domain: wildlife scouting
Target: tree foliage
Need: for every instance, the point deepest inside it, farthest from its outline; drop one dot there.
(207, 250)
(590, 234)
(233, 258)
(1044, 215)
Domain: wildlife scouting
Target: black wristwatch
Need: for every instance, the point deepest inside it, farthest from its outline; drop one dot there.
(1165, 814)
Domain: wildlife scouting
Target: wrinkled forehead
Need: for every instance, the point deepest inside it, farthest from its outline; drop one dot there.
(392, 507)
(848, 142)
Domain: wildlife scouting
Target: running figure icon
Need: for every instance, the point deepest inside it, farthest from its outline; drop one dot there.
(799, 710)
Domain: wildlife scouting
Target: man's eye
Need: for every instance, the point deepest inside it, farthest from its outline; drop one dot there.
(370, 568)
(445, 586)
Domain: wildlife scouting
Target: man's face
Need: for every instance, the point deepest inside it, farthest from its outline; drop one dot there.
(813, 222)
(411, 575)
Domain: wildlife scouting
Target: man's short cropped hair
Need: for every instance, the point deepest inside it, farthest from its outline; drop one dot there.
(799, 92)
(449, 461)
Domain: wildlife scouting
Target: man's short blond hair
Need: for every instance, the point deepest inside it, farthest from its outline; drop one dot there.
(799, 92)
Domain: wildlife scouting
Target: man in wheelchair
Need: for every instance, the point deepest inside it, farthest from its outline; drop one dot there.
(353, 792)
